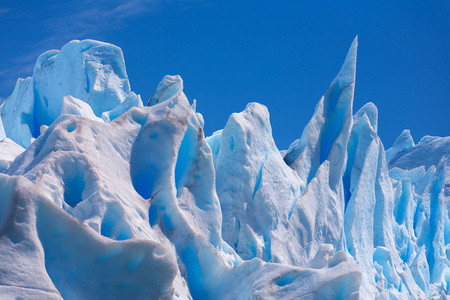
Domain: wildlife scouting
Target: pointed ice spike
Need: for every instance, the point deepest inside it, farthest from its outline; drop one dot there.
(371, 111)
(348, 70)
(326, 135)
(401, 144)
(167, 88)
(340, 92)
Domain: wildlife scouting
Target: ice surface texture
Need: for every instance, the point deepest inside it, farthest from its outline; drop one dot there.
(114, 200)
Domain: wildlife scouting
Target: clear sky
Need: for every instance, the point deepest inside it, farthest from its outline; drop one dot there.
(283, 54)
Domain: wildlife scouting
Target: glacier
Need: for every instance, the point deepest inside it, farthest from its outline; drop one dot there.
(104, 196)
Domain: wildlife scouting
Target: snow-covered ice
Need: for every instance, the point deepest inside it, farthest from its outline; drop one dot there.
(101, 196)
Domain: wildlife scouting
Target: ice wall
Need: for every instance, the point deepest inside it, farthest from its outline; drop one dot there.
(113, 199)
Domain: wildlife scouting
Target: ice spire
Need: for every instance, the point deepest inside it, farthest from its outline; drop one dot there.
(402, 143)
(169, 87)
(326, 135)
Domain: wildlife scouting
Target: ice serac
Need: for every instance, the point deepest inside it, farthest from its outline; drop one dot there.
(325, 137)
(420, 175)
(256, 189)
(88, 70)
(425, 226)
(319, 158)
(371, 112)
(169, 87)
(269, 210)
(402, 144)
(428, 152)
(371, 234)
(91, 71)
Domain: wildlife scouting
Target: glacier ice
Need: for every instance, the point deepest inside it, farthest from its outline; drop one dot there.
(101, 196)
(91, 71)
(8, 153)
(2, 130)
(17, 113)
(401, 144)
(257, 198)
(170, 86)
(430, 151)
(74, 106)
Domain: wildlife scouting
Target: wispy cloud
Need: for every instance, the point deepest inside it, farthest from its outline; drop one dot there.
(74, 20)
(94, 16)
(4, 10)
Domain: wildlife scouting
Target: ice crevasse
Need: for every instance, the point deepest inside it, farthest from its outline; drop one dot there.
(104, 196)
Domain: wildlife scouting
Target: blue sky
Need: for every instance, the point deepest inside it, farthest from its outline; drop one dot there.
(283, 54)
